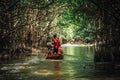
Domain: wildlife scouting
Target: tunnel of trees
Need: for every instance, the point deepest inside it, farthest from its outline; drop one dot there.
(25, 24)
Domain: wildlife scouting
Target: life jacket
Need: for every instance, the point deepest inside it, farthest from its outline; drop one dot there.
(59, 50)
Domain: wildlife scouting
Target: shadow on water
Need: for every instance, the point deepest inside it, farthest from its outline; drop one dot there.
(78, 64)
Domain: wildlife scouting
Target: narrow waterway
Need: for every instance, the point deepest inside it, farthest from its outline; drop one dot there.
(78, 64)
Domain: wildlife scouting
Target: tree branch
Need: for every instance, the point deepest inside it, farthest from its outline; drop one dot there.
(47, 5)
(105, 10)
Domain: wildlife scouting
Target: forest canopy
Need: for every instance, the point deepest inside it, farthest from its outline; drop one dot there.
(30, 23)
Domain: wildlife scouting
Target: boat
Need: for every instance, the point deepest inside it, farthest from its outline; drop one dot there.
(54, 56)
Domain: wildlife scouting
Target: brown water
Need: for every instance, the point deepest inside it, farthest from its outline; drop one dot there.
(78, 64)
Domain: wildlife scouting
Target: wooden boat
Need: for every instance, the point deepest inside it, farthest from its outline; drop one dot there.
(54, 56)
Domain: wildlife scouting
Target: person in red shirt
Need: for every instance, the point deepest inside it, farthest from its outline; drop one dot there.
(56, 41)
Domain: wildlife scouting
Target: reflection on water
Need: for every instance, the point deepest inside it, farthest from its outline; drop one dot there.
(57, 71)
(83, 54)
(78, 64)
(57, 66)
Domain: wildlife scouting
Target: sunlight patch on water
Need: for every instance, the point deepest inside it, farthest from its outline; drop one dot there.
(68, 44)
(43, 72)
(4, 68)
(34, 60)
(14, 71)
(22, 67)
(17, 64)
(77, 45)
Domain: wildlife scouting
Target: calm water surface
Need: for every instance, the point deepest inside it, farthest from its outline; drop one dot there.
(78, 64)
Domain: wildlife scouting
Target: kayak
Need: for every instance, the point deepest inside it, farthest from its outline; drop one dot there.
(54, 56)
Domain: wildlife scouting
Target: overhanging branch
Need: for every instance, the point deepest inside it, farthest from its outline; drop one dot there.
(98, 5)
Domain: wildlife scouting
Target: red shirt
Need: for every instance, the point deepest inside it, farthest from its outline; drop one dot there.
(56, 43)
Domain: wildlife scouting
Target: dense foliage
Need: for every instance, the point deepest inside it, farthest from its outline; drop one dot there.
(31, 23)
